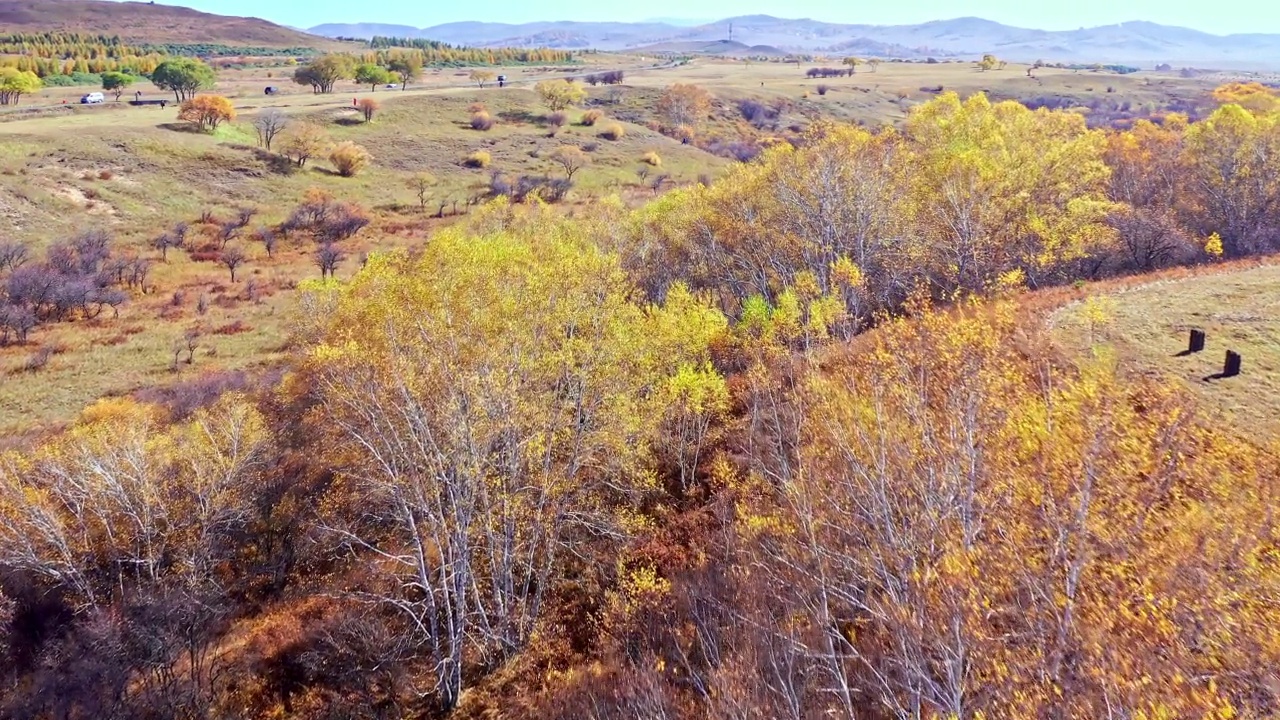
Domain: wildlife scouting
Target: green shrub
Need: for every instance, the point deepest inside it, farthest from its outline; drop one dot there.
(478, 159)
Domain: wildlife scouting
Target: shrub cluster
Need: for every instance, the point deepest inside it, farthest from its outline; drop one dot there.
(525, 187)
(613, 77)
(78, 278)
(826, 72)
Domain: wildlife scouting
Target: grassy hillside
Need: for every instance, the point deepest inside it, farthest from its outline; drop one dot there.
(139, 22)
(1148, 326)
(136, 172)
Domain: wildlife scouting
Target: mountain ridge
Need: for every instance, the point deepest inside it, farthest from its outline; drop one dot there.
(1137, 41)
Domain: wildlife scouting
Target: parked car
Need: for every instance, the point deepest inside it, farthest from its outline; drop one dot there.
(391, 86)
(272, 90)
(93, 99)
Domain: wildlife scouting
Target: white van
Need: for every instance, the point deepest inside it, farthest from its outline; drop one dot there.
(93, 99)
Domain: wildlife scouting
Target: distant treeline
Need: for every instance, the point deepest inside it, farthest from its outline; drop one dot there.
(51, 55)
(206, 50)
(1095, 67)
(436, 53)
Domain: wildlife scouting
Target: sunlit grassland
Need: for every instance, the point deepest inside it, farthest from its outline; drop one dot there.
(1148, 326)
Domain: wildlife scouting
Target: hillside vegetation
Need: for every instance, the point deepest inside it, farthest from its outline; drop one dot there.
(145, 22)
(634, 397)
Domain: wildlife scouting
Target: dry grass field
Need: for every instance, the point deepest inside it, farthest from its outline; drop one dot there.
(1148, 326)
(67, 168)
(887, 93)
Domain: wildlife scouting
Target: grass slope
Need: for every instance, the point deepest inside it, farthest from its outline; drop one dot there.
(135, 171)
(1239, 309)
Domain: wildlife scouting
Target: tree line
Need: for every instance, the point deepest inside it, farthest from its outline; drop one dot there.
(436, 53)
(967, 197)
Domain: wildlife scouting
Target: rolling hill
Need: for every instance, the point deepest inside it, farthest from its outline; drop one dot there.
(1134, 42)
(139, 22)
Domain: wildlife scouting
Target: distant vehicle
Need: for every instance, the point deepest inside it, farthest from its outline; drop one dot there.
(502, 81)
(93, 99)
(390, 86)
(271, 91)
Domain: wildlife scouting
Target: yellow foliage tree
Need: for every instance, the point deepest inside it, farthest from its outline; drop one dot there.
(570, 157)
(1001, 186)
(304, 141)
(349, 158)
(124, 497)
(207, 112)
(1252, 96)
(972, 533)
(684, 105)
(493, 398)
(15, 83)
(558, 95)
(1231, 158)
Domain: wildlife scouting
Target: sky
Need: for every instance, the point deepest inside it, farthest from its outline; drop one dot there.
(1221, 16)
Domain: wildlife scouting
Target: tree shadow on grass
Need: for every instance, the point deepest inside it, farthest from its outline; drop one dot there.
(517, 117)
(348, 121)
(182, 127)
(278, 164)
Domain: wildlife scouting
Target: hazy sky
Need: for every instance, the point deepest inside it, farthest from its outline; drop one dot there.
(1221, 16)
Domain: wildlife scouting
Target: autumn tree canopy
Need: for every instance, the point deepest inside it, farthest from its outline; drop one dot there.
(558, 95)
(525, 391)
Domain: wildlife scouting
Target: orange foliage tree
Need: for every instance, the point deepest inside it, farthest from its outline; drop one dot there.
(368, 108)
(684, 106)
(207, 112)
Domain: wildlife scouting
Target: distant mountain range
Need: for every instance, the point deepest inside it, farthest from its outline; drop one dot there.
(1133, 42)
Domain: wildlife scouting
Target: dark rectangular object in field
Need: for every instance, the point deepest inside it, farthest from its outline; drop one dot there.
(1232, 366)
(1197, 341)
